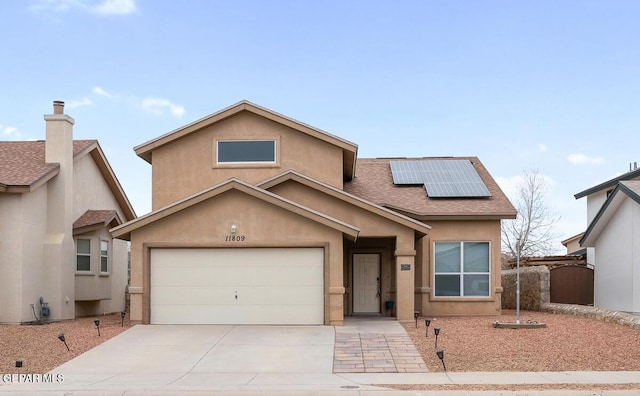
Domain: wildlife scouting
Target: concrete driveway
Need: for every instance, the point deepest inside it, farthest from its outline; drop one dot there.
(183, 358)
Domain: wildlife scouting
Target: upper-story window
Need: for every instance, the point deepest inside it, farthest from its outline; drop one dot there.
(245, 151)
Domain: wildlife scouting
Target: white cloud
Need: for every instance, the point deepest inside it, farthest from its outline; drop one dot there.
(581, 159)
(99, 91)
(158, 106)
(82, 102)
(101, 7)
(9, 132)
(114, 7)
(509, 185)
(543, 147)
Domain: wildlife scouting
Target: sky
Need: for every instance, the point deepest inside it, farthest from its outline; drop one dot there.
(526, 86)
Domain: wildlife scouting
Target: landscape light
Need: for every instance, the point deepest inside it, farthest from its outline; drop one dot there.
(436, 331)
(61, 338)
(427, 322)
(415, 315)
(97, 322)
(122, 314)
(440, 354)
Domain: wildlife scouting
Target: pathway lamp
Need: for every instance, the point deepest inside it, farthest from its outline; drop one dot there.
(427, 322)
(436, 331)
(61, 338)
(440, 354)
(97, 322)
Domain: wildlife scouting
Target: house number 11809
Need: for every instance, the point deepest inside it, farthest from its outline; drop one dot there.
(234, 238)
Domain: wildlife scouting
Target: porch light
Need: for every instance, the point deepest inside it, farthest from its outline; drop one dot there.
(234, 229)
(436, 331)
(440, 354)
(427, 322)
(415, 315)
(61, 338)
(97, 322)
(122, 314)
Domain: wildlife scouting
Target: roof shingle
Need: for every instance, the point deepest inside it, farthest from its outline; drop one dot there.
(374, 183)
(22, 163)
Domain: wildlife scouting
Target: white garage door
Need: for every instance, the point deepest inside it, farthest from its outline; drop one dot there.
(237, 286)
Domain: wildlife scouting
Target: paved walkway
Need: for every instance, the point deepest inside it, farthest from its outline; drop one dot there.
(376, 353)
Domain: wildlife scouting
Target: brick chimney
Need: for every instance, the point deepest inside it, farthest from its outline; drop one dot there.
(59, 246)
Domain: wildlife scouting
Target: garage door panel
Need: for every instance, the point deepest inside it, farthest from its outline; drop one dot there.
(227, 315)
(274, 286)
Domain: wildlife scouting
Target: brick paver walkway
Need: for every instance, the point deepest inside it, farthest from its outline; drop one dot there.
(376, 353)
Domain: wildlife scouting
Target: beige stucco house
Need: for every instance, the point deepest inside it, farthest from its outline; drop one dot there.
(58, 200)
(261, 219)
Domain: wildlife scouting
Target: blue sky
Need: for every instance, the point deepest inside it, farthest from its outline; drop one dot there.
(523, 85)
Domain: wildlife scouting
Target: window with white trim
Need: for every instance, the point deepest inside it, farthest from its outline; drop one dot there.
(462, 269)
(245, 151)
(83, 254)
(104, 256)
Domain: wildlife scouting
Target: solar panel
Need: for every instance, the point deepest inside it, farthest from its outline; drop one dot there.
(441, 178)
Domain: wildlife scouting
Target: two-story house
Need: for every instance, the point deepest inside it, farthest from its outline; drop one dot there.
(58, 200)
(260, 219)
(612, 240)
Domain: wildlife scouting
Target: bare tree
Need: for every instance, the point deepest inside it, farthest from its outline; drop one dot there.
(533, 226)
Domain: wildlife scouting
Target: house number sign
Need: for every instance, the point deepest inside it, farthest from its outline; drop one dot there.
(235, 238)
(405, 267)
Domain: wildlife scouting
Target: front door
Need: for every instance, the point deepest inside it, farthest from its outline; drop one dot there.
(366, 283)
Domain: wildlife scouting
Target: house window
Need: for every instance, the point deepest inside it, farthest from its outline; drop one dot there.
(462, 269)
(83, 255)
(243, 151)
(104, 256)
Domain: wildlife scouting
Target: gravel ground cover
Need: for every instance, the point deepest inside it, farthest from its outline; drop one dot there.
(568, 343)
(40, 349)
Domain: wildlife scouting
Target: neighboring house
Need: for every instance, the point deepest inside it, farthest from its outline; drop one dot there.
(58, 200)
(573, 247)
(260, 219)
(613, 232)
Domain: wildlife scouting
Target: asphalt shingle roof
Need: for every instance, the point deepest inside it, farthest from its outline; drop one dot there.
(374, 183)
(22, 163)
(94, 217)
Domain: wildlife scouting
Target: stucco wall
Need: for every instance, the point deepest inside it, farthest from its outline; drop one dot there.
(594, 203)
(91, 192)
(614, 278)
(264, 225)
(455, 231)
(186, 166)
(11, 257)
(35, 282)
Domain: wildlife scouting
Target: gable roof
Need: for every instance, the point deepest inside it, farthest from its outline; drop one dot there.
(349, 149)
(419, 227)
(23, 168)
(609, 183)
(624, 190)
(22, 164)
(374, 183)
(93, 218)
(124, 231)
